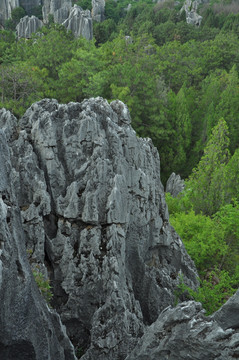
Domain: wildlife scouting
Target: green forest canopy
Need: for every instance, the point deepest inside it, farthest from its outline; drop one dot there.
(182, 88)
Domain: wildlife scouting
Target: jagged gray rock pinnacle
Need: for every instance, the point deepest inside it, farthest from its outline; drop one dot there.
(27, 26)
(174, 185)
(29, 330)
(89, 199)
(191, 7)
(98, 10)
(79, 22)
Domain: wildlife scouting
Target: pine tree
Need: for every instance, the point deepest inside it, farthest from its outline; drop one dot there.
(206, 185)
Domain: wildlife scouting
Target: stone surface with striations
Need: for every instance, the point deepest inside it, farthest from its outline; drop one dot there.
(27, 26)
(29, 330)
(88, 196)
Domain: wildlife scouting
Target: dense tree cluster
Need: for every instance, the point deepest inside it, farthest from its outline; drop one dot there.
(182, 88)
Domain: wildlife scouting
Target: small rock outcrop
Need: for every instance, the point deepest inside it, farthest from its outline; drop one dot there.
(191, 7)
(98, 10)
(174, 185)
(29, 330)
(27, 26)
(79, 22)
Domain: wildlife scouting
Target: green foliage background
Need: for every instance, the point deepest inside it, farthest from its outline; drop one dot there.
(182, 89)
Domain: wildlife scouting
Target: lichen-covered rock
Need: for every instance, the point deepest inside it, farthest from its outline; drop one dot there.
(98, 10)
(175, 185)
(96, 221)
(27, 26)
(29, 330)
(80, 22)
(183, 333)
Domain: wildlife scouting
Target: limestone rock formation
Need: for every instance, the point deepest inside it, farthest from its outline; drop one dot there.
(28, 5)
(60, 9)
(83, 192)
(27, 26)
(175, 185)
(191, 7)
(95, 220)
(29, 330)
(80, 22)
(73, 18)
(6, 7)
(98, 10)
(183, 333)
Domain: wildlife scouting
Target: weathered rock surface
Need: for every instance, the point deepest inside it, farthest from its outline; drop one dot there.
(95, 220)
(73, 18)
(60, 9)
(28, 5)
(29, 330)
(27, 26)
(6, 7)
(175, 185)
(98, 10)
(96, 223)
(80, 22)
(183, 333)
(191, 8)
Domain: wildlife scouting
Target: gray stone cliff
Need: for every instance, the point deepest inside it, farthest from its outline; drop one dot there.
(98, 10)
(88, 197)
(27, 26)
(6, 7)
(60, 9)
(29, 330)
(79, 22)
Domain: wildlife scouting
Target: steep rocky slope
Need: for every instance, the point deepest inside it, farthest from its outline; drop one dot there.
(87, 195)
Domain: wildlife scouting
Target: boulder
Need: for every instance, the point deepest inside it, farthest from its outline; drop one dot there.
(80, 22)
(27, 26)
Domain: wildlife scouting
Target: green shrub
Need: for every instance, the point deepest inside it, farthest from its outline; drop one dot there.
(44, 285)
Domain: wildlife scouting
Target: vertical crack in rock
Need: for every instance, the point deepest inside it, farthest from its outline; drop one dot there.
(29, 330)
